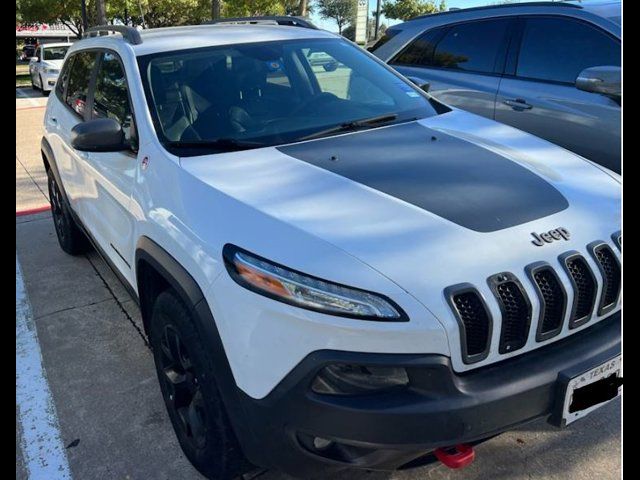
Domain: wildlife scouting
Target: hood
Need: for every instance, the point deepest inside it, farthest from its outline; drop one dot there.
(449, 199)
(53, 64)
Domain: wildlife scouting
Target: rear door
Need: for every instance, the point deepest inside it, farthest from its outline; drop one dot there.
(63, 114)
(538, 93)
(463, 62)
(109, 176)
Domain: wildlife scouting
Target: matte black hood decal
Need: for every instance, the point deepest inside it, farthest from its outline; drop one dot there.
(450, 177)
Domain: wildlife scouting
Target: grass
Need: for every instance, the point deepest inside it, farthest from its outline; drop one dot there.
(22, 74)
(23, 80)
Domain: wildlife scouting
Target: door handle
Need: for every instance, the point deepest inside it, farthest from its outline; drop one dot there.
(518, 104)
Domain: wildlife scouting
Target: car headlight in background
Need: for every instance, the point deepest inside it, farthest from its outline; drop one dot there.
(51, 71)
(304, 291)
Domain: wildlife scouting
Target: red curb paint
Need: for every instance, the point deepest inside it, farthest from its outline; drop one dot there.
(32, 211)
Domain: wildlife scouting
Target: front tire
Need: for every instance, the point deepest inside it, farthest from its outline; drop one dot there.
(185, 372)
(71, 239)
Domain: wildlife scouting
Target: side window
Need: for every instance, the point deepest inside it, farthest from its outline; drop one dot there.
(472, 46)
(111, 96)
(420, 51)
(79, 77)
(388, 35)
(64, 77)
(558, 49)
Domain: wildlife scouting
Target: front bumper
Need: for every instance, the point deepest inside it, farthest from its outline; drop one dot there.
(441, 408)
(49, 81)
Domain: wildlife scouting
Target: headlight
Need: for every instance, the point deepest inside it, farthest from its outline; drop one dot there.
(304, 291)
(51, 70)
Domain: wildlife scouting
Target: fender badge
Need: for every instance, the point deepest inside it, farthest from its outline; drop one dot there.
(145, 162)
(539, 239)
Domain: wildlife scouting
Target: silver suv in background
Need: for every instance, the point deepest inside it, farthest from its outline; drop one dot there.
(551, 69)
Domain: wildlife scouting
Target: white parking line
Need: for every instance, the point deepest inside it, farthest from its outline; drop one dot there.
(42, 449)
(31, 100)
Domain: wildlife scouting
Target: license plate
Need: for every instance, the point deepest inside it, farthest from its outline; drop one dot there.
(591, 390)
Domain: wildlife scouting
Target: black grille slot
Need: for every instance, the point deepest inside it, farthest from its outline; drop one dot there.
(516, 312)
(553, 301)
(584, 289)
(612, 276)
(474, 320)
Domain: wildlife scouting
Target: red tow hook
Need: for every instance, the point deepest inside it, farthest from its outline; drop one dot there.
(456, 457)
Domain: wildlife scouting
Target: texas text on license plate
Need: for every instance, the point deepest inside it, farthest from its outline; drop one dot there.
(591, 390)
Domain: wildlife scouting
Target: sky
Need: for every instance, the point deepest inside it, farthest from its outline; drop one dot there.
(331, 25)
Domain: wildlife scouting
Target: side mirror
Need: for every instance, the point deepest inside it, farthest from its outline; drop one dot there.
(603, 80)
(420, 83)
(98, 135)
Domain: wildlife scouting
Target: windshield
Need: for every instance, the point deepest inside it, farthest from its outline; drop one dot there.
(260, 94)
(55, 53)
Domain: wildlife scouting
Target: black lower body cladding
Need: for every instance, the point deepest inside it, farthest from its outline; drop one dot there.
(387, 431)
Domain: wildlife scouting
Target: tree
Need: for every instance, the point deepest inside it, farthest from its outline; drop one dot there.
(252, 8)
(342, 11)
(66, 12)
(101, 12)
(408, 9)
(215, 9)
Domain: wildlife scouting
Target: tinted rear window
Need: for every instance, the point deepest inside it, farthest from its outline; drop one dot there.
(388, 35)
(473, 47)
(79, 77)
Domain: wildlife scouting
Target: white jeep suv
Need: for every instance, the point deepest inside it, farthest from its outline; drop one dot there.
(334, 270)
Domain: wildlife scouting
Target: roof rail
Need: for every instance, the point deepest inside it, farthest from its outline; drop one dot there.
(286, 20)
(130, 34)
(503, 5)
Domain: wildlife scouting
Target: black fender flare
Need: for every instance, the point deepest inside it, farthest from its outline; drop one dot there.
(49, 159)
(190, 293)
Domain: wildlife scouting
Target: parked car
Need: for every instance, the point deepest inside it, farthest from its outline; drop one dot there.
(332, 281)
(549, 68)
(28, 51)
(44, 66)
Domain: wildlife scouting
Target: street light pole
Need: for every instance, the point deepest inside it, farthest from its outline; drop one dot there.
(83, 7)
(377, 19)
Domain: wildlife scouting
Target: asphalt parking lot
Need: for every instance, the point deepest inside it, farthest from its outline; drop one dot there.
(107, 413)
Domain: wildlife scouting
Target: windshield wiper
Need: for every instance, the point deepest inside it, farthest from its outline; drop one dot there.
(354, 125)
(226, 144)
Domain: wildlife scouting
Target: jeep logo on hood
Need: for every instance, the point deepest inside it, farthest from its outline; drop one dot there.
(539, 239)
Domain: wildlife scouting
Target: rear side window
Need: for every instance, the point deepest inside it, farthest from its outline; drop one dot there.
(63, 78)
(420, 51)
(111, 96)
(79, 78)
(473, 47)
(558, 49)
(388, 35)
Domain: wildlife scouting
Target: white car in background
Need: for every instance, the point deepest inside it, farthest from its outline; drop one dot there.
(44, 68)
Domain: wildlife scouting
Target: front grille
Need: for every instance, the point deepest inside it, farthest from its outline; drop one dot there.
(516, 311)
(611, 275)
(584, 288)
(552, 293)
(474, 320)
(553, 300)
(617, 239)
